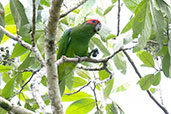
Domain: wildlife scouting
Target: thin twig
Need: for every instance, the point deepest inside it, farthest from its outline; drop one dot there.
(118, 25)
(139, 75)
(79, 89)
(72, 9)
(95, 97)
(33, 24)
(22, 87)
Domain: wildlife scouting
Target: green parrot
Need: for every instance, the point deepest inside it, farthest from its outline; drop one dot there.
(74, 43)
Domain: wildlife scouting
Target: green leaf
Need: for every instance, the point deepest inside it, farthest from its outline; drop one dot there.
(111, 108)
(26, 63)
(6, 77)
(153, 90)
(108, 9)
(5, 68)
(142, 23)
(146, 58)
(109, 86)
(2, 111)
(2, 21)
(149, 80)
(113, 1)
(26, 75)
(103, 74)
(158, 23)
(18, 51)
(45, 2)
(82, 106)
(156, 79)
(99, 11)
(165, 8)
(166, 64)
(69, 80)
(128, 26)
(76, 96)
(8, 90)
(44, 81)
(145, 82)
(131, 4)
(121, 88)
(82, 73)
(79, 82)
(19, 15)
(84, 11)
(111, 36)
(101, 46)
(120, 63)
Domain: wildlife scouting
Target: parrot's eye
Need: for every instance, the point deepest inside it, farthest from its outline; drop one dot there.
(93, 21)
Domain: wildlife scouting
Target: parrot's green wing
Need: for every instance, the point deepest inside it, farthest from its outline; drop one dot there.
(63, 43)
(64, 69)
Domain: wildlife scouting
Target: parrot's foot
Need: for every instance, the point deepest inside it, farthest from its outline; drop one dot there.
(94, 52)
(78, 57)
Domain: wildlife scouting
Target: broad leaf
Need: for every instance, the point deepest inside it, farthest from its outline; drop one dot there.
(69, 80)
(166, 64)
(101, 46)
(156, 79)
(149, 80)
(146, 58)
(6, 77)
(120, 63)
(5, 68)
(76, 96)
(79, 82)
(112, 108)
(19, 16)
(26, 63)
(158, 23)
(82, 73)
(108, 9)
(108, 88)
(142, 23)
(128, 26)
(82, 106)
(145, 82)
(103, 74)
(18, 51)
(8, 90)
(165, 8)
(131, 4)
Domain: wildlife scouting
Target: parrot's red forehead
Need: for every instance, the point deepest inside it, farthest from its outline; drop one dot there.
(93, 21)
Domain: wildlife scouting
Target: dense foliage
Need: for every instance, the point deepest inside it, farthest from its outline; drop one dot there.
(147, 34)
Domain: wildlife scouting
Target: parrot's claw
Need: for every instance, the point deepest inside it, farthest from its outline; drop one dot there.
(79, 59)
(94, 52)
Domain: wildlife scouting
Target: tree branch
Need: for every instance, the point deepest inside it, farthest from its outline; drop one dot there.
(50, 50)
(72, 9)
(139, 75)
(79, 89)
(24, 44)
(33, 24)
(35, 90)
(15, 109)
(88, 59)
(118, 25)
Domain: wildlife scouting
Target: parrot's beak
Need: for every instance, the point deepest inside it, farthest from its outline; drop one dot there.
(98, 27)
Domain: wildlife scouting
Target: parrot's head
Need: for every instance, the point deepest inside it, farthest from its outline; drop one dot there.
(96, 23)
